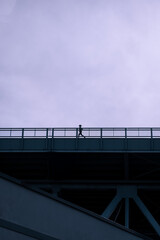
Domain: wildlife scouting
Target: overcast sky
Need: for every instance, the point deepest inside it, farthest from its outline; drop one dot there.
(70, 62)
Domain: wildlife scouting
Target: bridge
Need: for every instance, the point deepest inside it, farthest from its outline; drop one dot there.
(68, 139)
(113, 173)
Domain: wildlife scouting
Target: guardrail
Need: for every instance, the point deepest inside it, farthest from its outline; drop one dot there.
(75, 133)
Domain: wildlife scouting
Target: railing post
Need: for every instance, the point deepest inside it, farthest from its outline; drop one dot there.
(101, 135)
(47, 133)
(151, 139)
(125, 139)
(125, 133)
(151, 133)
(46, 138)
(52, 138)
(22, 138)
(76, 138)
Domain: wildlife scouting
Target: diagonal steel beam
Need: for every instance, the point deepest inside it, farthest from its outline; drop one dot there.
(111, 207)
(147, 214)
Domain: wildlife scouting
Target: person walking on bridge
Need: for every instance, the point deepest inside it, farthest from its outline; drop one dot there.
(80, 129)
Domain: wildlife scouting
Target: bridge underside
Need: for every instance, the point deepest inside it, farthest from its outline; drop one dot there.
(97, 181)
(31, 214)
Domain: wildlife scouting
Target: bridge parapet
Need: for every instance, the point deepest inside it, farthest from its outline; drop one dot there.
(74, 132)
(69, 139)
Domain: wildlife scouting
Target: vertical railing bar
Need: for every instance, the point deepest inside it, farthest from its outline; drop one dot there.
(125, 132)
(125, 141)
(76, 132)
(52, 139)
(52, 132)
(152, 142)
(151, 132)
(101, 135)
(46, 138)
(76, 139)
(47, 133)
(22, 138)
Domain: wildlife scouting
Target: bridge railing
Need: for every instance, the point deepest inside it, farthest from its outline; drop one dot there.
(74, 133)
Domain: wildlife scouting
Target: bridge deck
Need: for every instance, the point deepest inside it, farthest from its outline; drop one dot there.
(68, 139)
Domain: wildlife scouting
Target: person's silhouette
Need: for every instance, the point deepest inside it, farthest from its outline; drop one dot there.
(80, 129)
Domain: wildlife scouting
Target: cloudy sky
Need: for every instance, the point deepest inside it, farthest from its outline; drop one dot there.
(89, 62)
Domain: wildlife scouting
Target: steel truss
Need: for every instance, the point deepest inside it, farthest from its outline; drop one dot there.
(130, 192)
(125, 190)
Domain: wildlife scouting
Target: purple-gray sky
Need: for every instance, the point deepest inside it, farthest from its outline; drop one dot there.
(89, 62)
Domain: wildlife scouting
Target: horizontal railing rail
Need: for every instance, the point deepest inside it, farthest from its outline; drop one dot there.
(79, 133)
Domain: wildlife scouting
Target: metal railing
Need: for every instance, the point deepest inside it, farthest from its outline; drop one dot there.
(74, 133)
